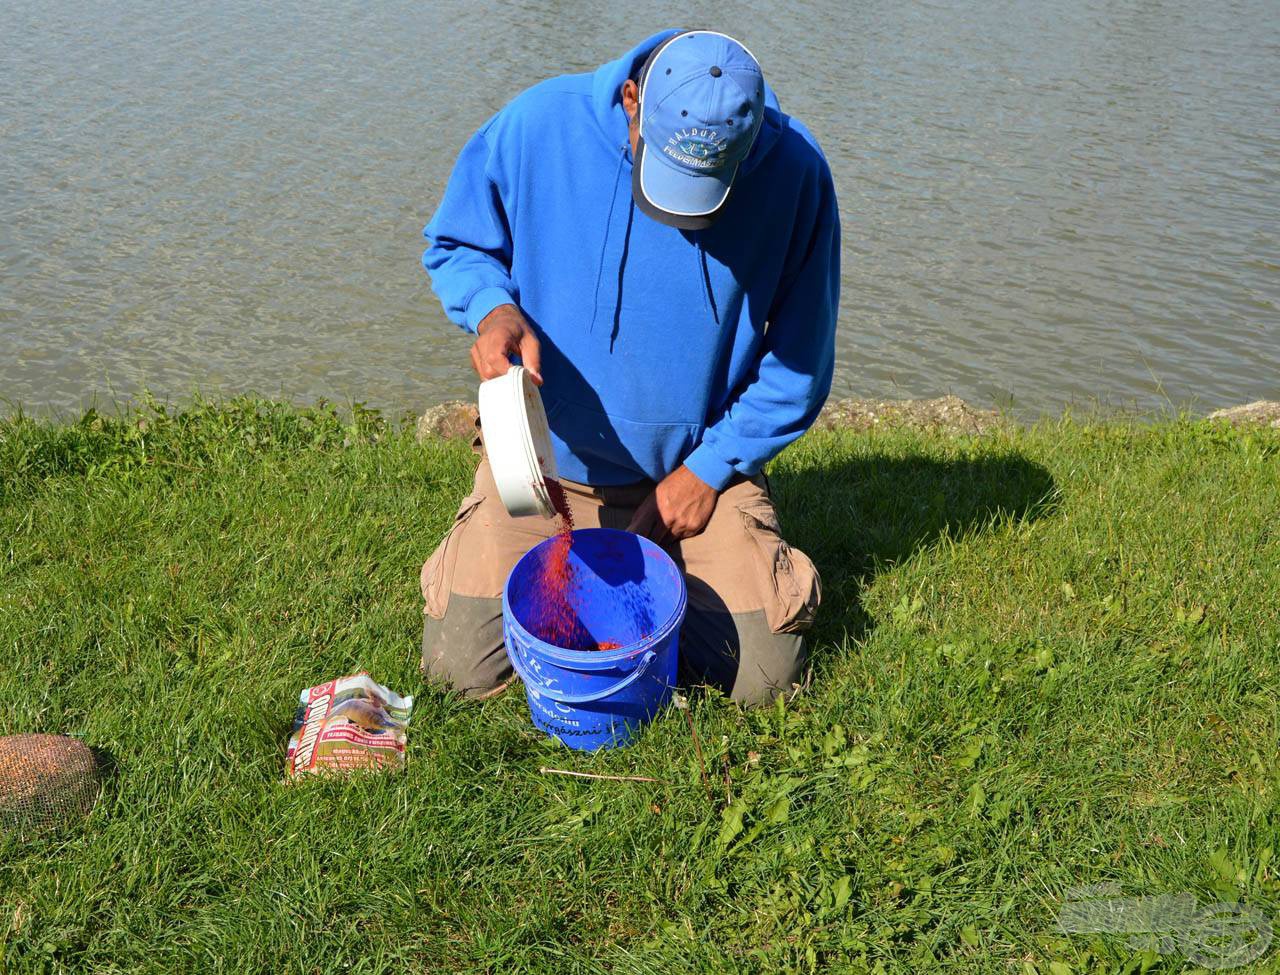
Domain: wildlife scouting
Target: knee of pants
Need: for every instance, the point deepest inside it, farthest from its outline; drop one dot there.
(464, 649)
(739, 654)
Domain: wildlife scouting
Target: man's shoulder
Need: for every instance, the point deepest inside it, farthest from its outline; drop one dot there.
(792, 168)
(797, 148)
(545, 101)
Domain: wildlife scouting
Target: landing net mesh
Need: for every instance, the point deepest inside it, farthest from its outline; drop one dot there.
(46, 781)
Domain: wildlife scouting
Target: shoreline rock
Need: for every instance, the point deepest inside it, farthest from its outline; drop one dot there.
(1258, 413)
(446, 421)
(942, 414)
(945, 414)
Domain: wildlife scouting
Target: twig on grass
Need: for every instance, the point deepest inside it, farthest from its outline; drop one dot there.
(697, 747)
(593, 775)
(804, 685)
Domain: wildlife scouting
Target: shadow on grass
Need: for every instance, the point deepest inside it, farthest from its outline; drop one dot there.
(858, 516)
(105, 765)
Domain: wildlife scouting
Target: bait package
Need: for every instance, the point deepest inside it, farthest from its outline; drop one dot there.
(349, 723)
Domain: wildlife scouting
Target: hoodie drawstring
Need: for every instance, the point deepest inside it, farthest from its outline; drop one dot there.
(706, 280)
(604, 244)
(622, 267)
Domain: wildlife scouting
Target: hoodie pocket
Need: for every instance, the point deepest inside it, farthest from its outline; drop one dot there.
(613, 447)
(438, 570)
(793, 588)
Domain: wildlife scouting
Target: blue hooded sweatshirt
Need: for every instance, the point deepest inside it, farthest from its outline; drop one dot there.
(711, 348)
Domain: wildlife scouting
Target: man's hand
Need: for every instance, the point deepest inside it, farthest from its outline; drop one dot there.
(504, 333)
(679, 507)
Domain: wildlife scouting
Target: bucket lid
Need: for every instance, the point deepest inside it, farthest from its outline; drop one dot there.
(518, 442)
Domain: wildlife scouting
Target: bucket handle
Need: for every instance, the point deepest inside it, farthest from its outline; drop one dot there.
(563, 698)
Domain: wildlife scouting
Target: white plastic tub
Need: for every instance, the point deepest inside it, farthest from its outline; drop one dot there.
(518, 442)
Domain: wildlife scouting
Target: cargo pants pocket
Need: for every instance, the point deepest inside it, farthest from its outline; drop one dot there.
(793, 588)
(438, 570)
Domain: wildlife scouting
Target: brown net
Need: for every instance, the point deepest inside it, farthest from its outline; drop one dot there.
(46, 781)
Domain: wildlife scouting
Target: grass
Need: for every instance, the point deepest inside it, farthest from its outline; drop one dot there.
(1045, 658)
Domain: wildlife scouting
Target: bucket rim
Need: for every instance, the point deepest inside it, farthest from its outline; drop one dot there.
(600, 657)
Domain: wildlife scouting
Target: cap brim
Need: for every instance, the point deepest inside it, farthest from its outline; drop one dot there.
(677, 198)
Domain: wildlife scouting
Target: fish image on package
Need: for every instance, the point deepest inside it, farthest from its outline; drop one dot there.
(349, 723)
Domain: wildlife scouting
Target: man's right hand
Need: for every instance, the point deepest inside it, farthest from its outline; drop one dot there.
(504, 332)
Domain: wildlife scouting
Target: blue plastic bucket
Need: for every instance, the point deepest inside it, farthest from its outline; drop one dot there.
(626, 591)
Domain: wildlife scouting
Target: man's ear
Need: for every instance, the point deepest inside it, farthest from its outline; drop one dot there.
(630, 98)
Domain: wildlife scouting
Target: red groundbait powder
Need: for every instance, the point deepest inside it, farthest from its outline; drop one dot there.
(556, 621)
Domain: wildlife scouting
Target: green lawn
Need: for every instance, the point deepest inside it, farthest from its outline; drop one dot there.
(1045, 658)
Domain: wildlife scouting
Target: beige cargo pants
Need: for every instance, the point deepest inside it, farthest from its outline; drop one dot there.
(750, 593)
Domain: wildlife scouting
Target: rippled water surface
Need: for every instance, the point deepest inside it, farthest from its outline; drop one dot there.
(1043, 203)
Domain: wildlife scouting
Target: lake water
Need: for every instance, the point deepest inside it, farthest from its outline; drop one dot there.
(1043, 203)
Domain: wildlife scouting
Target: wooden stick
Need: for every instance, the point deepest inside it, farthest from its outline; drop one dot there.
(728, 781)
(593, 775)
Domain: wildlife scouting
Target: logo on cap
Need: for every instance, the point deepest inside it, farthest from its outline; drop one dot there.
(698, 148)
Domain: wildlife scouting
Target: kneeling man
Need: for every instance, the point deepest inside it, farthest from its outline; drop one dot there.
(660, 246)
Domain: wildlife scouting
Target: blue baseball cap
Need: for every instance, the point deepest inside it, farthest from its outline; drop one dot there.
(701, 106)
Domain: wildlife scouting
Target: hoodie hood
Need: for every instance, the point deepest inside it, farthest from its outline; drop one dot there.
(606, 97)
